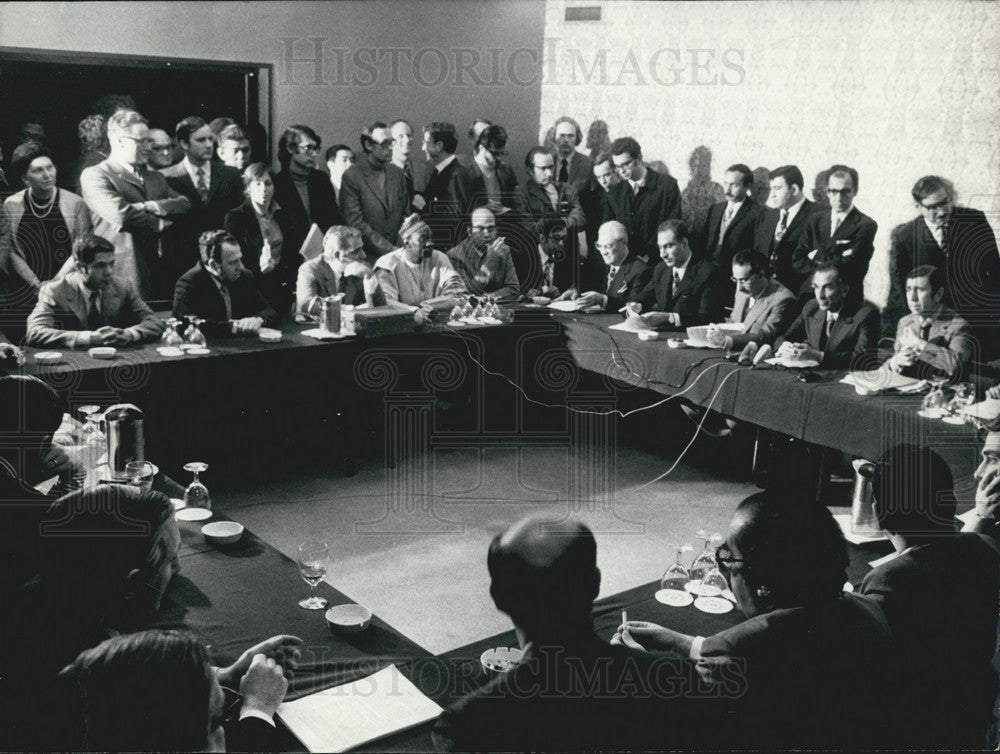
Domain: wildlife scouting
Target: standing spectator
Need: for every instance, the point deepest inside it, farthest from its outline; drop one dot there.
(93, 133)
(300, 189)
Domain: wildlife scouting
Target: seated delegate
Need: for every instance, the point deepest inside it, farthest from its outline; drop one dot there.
(223, 293)
(628, 275)
(341, 268)
(90, 306)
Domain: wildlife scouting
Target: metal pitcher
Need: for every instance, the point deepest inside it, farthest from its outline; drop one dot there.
(329, 320)
(863, 519)
(122, 425)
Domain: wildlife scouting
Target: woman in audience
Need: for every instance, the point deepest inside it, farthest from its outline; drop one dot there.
(42, 222)
(817, 665)
(261, 227)
(157, 690)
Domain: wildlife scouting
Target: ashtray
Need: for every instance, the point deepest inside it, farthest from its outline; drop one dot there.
(501, 659)
(648, 335)
(269, 335)
(102, 352)
(349, 618)
(222, 532)
(48, 356)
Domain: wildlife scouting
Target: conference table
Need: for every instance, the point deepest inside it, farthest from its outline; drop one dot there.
(302, 395)
(236, 595)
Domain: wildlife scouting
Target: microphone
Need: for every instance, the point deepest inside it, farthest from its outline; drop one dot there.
(765, 352)
(747, 354)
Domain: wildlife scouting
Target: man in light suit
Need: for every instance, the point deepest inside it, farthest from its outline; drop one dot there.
(213, 189)
(763, 306)
(844, 235)
(222, 291)
(684, 291)
(779, 230)
(572, 166)
(729, 226)
(373, 195)
(941, 584)
(89, 306)
(628, 274)
(125, 198)
(838, 331)
(341, 268)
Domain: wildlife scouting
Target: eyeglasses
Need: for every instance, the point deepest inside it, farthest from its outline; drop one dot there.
(161, 147)
(310, 148)
(625, 166)
(747, 279)
(497, 152)
(725, 560)
(609, 246)
(230, 708)
(936, 205)
(145, 142)
(485, 228)
(839, 192)
(384, 143)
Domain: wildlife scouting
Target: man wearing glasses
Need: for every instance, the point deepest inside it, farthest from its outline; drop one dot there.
(628, 274)
(483, 259)
(958, 241)
(643, 199)
(762, 305)
(843, 236)
(161, 149)
(302, 191)
(126, 198)
(373, 195)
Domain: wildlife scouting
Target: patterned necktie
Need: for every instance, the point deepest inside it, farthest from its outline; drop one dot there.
(944, 239)
(95, 320)
(782, 228)
(727, 219)
(564, 171)
(201, 185)
(611, 276)
(548, 269)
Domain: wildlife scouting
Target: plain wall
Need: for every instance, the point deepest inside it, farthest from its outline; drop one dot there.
(895, 89)
(403, 59)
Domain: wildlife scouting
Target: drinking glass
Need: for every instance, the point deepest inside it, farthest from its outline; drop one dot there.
(713, 583)
(313, 559)
(170, 336)
(140, 474)
(965, 395)
(705, 561)
(196, 494)
(194, 335)
(676, 576)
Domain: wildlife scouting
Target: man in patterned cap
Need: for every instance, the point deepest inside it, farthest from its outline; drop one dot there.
(417, 274)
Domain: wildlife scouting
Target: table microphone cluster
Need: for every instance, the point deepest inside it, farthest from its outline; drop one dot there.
(751, 355)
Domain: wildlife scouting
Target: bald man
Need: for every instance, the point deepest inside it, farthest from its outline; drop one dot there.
(571, 691)
(628, 274)
(483, 260)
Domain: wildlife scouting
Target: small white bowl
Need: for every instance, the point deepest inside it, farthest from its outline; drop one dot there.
(648, 334)
(222, 532)
(102, 352)
(349, 618)
(269, 335)
(48, 356)
(501, 659)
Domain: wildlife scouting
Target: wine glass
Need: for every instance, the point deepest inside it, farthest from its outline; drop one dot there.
(467, 308)
(170, 336)
(140, 474)
(705, 561)
(196, 494)
(194, 335)
(456, 310)
(313, 559)
(713, 583)
(965, 395)
(676, 576)
(934, 402)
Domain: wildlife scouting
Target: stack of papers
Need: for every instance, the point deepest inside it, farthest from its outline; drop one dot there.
(884, 379)
(341, 718)
(792, 363)
(632, 324)
(576, 305)
(697, 337)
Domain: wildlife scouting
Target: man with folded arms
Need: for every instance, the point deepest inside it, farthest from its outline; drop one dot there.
(783, 224)
(834, 330)
(684, 291)
(762, 305)
(571, 691)
(729, 225)
(483, 259)
(628, 274)
(90, 306)
(341, 268)
(417, 274)
(222, 291)
(932, 337)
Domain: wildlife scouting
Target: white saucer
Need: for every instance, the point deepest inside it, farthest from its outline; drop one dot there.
(170, 351)
(930, 413)
(48, 356)
(714, 605)
(674, 597)
(953, 419)
(193, 514)
(199, 351)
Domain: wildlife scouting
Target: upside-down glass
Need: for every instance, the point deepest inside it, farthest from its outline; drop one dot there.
(194, 335)
(705, 561)
(196, 494)
(170, 336)
(676, 576)
(313, 559)
(965, 395)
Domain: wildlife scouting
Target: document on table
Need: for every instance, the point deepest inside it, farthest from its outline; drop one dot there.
(567, 306)
(883, 379)
(987, 410)
(341, 718)
(697, 337)
(632, 324)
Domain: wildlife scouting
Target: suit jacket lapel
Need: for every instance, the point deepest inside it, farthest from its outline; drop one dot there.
(814, 328)
(805, 211)
(369, 175)
(76, 301)
(840, 329)
(127, 176)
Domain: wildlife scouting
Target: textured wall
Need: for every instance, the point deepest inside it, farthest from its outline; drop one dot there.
(895, 88)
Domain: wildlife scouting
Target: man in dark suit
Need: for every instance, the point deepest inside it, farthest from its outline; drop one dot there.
(592, 201)
(835, 329)
(219, 290)
(373, 195)
(628, 274)
(780, 230)
(684, 291)
(494, 184)
(643, 200)
(213, 189)
(448, 190)
(941, 584)
(89, 306)
(960, 242)
(543, 197)
(729, 226)
(572, 166)
(301, 190)
(552, 272)
(571, 691)
(844, 236)
(131, 205)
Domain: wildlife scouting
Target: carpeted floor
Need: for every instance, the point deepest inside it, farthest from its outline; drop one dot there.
(410, 542)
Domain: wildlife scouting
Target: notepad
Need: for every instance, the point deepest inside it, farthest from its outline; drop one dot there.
(882, 378)
(346, 716)
(312, 247)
